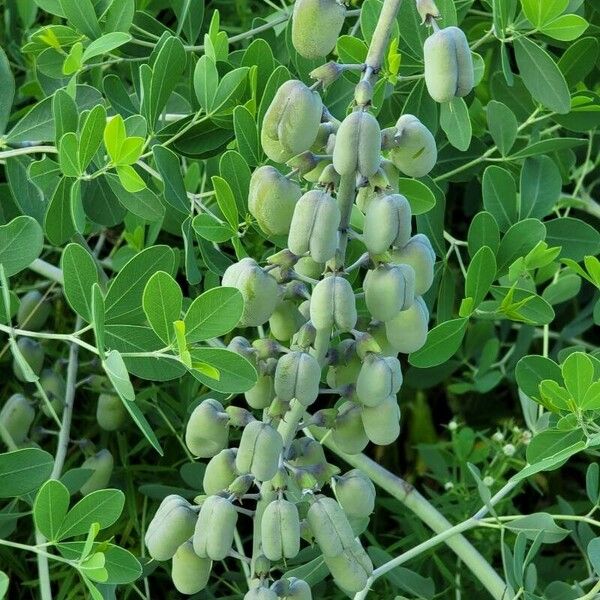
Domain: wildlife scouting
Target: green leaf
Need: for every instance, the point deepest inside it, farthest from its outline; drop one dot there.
(578, 60)
(518, 241)
(541, 186)
(58, 222)
(578, 374)
(209, 228)
(144, 203)
(237, 374)
(480, 275)
(532, 370)
(234, 169)
(547, 146)
(119, 16)
(593, 552)
(4, 583)
(50, 508)
(64, 111)
(206, 81)
(90, 138)
(169, 168)
(23, 471)
(576, 237)
(566, 28)
(82, 16)
(162, 301)
(442, 343)
(541, 76)
(80, 274)
(21, 242)
(98, 318)
(500, 196)
(246, 135)
(114, 137)
(456, 123)
(129, 179)
(68, 154)
(27, 196)
(542, 11)
(230, 86)
(503, 125)
(538, 524)
(419, 196)
(105, 44)
(226, 201)
(7, 85)
(72, 63)
(483, 231)
(553, 443)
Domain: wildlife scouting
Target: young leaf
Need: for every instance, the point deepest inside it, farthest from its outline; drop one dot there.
(162, 301)
(50, 508)
(480, 275)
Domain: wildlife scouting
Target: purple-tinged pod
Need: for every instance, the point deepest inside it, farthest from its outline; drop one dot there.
(220, 472)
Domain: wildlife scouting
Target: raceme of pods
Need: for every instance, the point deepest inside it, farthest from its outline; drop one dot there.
(326, 349)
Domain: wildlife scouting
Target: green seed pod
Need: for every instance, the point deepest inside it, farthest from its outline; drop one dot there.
(172, 525)
(238, 416)
(387, 223)
(325, 130)
(298, 375)
(379, 378)
(306, 452)
(448, 64)
(314, 226)
(298, 590)
(330, 526)
(262, 393)
(382, 422)
(285, 321)
(407, 331)
(260, 593)
(427, 9)
(189, 572)
(349, 433)
(220, 472)
(305, 337)
(33, 312)
(280, 530)
(345, 368)
(291, 123)
(308, 267)
(388, 290)
(17, 416)
(316, 25)
(55, 388)
(415, 152)
(241, 485)
(110, 412)
(377, 330)
(215, 528)
(358, 145)
(240, 345)
(419, 254)
(33, 353)
(271, 200)
(258, 288)
(102, 466)
(333, 303)
(356, 494)
(259, 451)
(351, 569)
(207, 430)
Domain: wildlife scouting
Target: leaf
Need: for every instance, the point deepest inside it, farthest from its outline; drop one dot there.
(27, 196)
(226, 201)
(442, 343)
(64, 111)
(7, 84)
(538, 524)
(532, 370)
(235, 170)
(229, 87)
(209, 228)
(553, 444)
(237, 374)
(98, 318)
(50, 508)
(480, 275)
(68, 155)
(162, 301)
(500, 196)
(144, 203)
(503, 125)
(541, 186)
(518, 241)
(23, 471)
(213, 314)
(456, 123)
(593, 551)
(578, 60)
(246, 134)
(58, 222)
(130, 180)
(566, 28)
(114, 137)
(106, 43)
(82, 16)
(578, 374)
(483, 231)
(547, 146)
(419, 196)
(576, 238)
(21, 242)
(90, 138)
(542, 11)
(80, 274)
(169, 168)
(541, 76)
(206, 81)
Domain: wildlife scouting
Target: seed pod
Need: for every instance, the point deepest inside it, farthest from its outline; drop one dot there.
(291, 123)
(415, 152)
(207, 430)
(259, 291)
(33, 312)
(330, 526)
(285, 321)
(407, 331)
(110, 412)
(448, 64)
(379, 377)
(271, 200)
(215, 528)
(189, 572)
(358, 145)
(54, 386)
(102, 466)
(377, 330)
(298, 590)
(16, 416)
(308, 267)
(388, 290)
(419, 254)
(314, 226)
(240, 345)
(387, 223)
(306, 452)
(333, 303)
(172, 525)
(298, 375)
(346, 366)
(220, 472)
(305, 337)
(280, 530)
(316, 25)
(356, 494)
(259, 451)
(261, 394)
(349, 433)
(382, 422)
(426, 9)
(351, 569)
(260, 593)
(33, 353)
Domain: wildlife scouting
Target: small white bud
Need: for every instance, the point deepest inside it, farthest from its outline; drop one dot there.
(498, 436)
(509, 450)
(488, 481)
(453, 425)
(448, 485)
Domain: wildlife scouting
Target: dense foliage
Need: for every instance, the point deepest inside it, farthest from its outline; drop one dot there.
(299, 300)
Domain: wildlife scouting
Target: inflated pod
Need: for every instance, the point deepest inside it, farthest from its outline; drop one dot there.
(382, 422)
(215, 528)
(377, 330)
(427, 9)
(316, 25)
(298, 590)
(55, 388)
(33, 312)
(298, 375)
(448, 64)
(385, 182)
(379, 377)
(346, 366)
(172, 525)
(407, 331)
(330, 526)
(415, 152)
(110, 412)
(308, 267)
(259, 451)
(358, 145)
(280, 530)
(314, 226)
(207, 430)
(260, 593)
(17, 416)
(387, 223)
(306, 452)
(101, 465)
(388, 290)
(220, 472)
(271, 200)
(189, 572)
(285, 321)
(33, 352)
(240, 345)
(259, 291)
(291, 123)
(351, 569)
(348, 432)
(356, 494)
(261, 394)
(419, 254)
(333, 303)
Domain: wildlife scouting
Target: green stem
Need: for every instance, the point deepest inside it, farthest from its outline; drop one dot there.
(28, 150)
